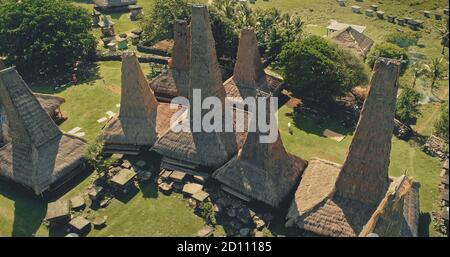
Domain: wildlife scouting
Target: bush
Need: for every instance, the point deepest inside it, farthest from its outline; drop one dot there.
(45, 36)
(319, 71)
(388, 50)
(408, 106)
(441, 125)
(206, 212)
(403, 39)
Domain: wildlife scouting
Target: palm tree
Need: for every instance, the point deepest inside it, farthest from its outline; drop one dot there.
(418, 69)
(436, 71)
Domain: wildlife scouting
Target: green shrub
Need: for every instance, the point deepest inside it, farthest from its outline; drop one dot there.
(317, 70)
(408, 106)
(388, 50)
(403, 39)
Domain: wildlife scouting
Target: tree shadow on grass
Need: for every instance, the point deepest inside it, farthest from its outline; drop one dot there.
(29, 210)
(315, 124)
(88, 73)
(149, 190)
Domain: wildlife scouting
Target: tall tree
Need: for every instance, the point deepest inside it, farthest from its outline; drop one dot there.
(45, 36)
(436, 71)
(418, 70)
(408, 106)
(441, 125)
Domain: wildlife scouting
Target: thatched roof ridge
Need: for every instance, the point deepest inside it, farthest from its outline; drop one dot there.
(175, 81)
(205, 72)
(262, 171)
(248, 70)
(339, 201)
(49, 102)
(136, 123)
(367, 162)
(30, 121)
(249, 74)
(351, 39)
(398, 213)
(38, 154)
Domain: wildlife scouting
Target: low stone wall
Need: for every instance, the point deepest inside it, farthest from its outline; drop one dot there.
(151, 50)
(143, 58)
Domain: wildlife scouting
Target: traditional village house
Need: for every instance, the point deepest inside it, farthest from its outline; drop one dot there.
(261, 171)
(358, 198)
(353, 40)
(141, 118)
(249, 77)
(194, 151)
(175, 82)
(37, 154)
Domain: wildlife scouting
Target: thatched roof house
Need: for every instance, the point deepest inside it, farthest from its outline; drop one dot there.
(358, 197)
(141, 118)
(249, 75)
(191, 151)
(260, 171)
(175, 82)
(355, 41)
(38, 155)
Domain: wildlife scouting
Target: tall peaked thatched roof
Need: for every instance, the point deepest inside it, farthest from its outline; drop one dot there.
(175, 82)
(212, 149)
(30, 121)
(353, 40)
(205, 72)
(367, 162)
(334, 200)
(249, 74)
(262, 171)
(140, 118)
(38, 154)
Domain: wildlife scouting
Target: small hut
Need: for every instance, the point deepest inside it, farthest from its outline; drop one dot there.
(260, 171)
(195, 151)
(359, 198)
(141, 118)
(353, 40)
(249, 77)
(39, 155)
(175, 81)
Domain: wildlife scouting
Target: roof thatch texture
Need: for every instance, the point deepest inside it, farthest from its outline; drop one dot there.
(351, 39)
(201, 148)
(141, 118)
(249, 74)
(262, 171)
(175, 82)
(50, 103)
(398, 213)
(39, 154)
(339, 201)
